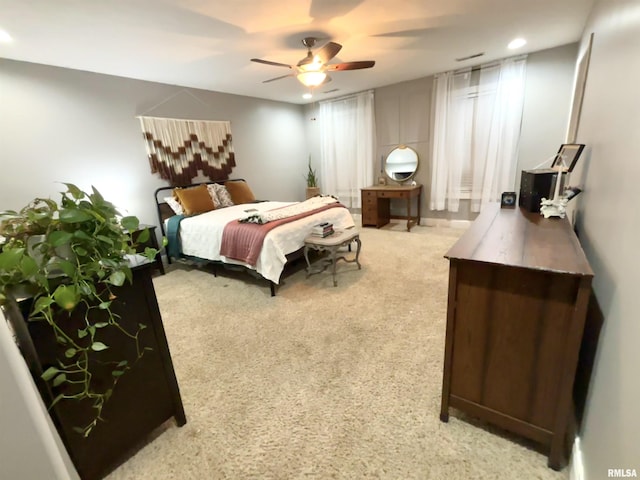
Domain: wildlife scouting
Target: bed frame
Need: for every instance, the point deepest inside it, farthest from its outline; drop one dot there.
(164, 211)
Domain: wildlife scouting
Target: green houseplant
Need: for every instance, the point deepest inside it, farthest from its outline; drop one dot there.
(312, 182)
(68, 257)
(312, 178)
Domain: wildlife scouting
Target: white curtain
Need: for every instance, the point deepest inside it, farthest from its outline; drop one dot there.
(476, 134)
(451, 129)
(347, 135)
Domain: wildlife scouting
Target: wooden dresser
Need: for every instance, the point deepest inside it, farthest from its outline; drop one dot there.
(519, 286)
(376, 204)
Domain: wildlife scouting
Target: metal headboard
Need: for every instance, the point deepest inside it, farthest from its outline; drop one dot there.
(164, 211)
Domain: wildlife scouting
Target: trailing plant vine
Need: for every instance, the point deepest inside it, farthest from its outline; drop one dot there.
(71, 257)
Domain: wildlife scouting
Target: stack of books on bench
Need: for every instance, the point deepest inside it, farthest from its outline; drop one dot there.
(322, 229)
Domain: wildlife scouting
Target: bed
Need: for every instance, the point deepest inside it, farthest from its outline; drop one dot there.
(201, 236)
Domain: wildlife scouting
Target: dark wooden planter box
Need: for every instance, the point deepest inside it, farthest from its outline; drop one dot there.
(145, 397)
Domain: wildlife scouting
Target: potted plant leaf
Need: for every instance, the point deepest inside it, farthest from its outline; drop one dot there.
(312, 182)
(67, 256)
(88, 324)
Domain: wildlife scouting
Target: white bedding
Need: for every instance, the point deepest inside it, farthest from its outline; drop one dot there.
(201, 235)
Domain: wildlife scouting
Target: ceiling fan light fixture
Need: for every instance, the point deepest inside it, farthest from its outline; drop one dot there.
(311, 78)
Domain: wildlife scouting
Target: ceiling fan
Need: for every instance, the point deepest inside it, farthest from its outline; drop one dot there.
(312, 70)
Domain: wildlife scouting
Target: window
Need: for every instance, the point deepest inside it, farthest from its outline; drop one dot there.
(476, 129)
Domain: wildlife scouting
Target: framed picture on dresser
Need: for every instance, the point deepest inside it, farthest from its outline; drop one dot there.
(567, 156)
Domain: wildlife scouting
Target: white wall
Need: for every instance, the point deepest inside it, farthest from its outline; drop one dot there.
(608, 222)
(547, 102)
(30, 447)
(61, 125)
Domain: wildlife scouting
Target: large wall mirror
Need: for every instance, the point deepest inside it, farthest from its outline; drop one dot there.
(401, 164)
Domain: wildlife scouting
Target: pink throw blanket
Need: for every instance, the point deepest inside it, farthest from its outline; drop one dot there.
(243, 241)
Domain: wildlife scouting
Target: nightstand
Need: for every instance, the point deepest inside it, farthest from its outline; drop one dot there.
(152, 242)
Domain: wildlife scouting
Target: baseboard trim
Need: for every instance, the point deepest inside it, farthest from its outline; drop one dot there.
(445, 222)
(427, 222)
(576, 469)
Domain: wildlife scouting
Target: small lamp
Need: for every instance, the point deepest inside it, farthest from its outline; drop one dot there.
(563, 163)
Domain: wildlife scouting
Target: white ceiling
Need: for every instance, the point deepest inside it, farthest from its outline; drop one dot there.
(208, 43)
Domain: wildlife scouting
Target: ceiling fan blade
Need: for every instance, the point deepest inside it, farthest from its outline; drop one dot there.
(306, 60)
(326, 80)
(268, 62)
(350, 66)
(278, 78)
(328, 51)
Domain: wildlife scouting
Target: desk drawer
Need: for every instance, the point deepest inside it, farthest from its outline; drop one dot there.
(392, 194)
(369, 208)
(369, 217)
(368, 194)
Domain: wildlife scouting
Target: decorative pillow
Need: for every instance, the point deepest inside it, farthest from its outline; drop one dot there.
(214, 195)
(223, 196)
(240, 192)
(174, 204)
(195, 199)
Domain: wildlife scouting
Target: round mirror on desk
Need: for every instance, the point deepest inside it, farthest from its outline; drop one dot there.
(401, 164)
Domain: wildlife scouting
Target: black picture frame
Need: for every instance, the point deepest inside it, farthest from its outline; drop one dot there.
(508, 200)
(568, 155)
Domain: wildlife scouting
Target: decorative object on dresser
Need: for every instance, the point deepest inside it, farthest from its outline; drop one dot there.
(332, 244)
(519, 286)
(508, 200)
(542, 183)
(376, 204)
(566, 158)
(534, 186)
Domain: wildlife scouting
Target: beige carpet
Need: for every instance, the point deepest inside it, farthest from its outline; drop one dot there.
(322, 382)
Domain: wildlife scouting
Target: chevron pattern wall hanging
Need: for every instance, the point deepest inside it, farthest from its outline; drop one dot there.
(179, 149)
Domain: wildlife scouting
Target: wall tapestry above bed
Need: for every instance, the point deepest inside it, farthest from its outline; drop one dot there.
(178, 148)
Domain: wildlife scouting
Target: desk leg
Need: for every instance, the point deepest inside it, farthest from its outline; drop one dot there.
(419, 196)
